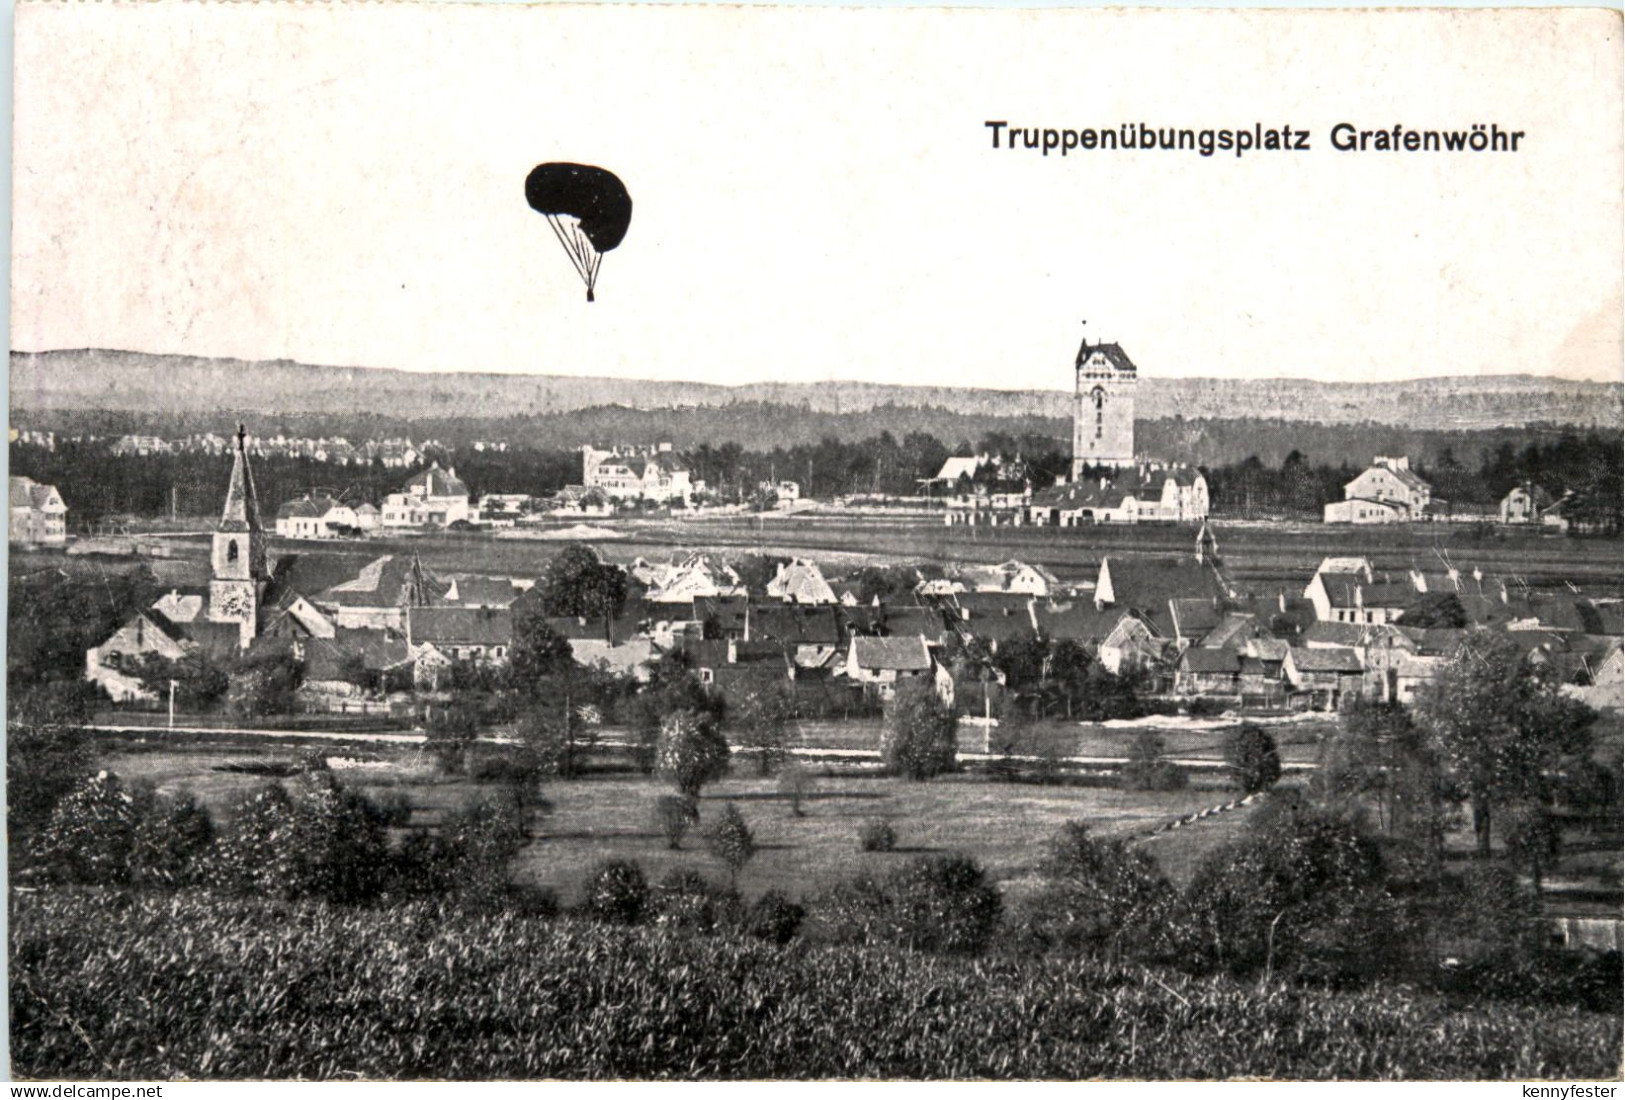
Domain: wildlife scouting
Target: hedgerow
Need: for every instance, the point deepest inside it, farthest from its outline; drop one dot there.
(107, 984)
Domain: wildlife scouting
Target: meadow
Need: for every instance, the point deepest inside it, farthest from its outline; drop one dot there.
(605, 815)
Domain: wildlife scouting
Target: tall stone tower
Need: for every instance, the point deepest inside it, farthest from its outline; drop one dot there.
(239, 573)
(1103, 407)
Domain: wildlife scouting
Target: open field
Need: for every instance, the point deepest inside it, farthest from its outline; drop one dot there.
(1262, 557)
(1003, 825)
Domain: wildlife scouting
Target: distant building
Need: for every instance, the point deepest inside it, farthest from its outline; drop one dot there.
(802, 582)
(1386, 492)
(1146, 494)
(38, 515)
(1103, 407)
(319, 516)
(433, 497)
(1525, 503)
(656, 474)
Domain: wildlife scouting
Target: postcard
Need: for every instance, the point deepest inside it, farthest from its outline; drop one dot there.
(649, 542)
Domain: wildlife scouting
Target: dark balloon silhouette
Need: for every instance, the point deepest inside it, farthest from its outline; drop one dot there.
(588, 209)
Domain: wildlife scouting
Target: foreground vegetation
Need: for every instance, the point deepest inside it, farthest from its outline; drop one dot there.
(162, 987)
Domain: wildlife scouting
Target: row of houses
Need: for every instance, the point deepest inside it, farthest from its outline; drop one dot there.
(1145, 493)
(1389, 491)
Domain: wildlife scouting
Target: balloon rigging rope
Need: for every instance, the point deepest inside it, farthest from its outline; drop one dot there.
(569, 249)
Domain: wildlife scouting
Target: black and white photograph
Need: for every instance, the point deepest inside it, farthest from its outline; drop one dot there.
(638, 542)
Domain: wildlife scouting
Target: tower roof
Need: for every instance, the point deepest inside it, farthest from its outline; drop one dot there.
(242, 512)
(1114, 354)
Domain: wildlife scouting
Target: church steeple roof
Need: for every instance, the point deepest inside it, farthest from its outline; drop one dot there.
(242, 512)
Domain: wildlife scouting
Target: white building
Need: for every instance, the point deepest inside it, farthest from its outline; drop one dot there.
(1386, 492)
(658, 474)
(432, 498)
(38, 516)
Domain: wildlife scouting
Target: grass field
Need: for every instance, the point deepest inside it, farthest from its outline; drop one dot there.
(1261, 557)
(1003, 825)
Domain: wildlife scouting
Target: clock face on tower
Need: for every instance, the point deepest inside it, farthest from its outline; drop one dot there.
(234, 603)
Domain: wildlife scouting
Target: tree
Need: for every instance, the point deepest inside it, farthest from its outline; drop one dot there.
(674, 815)
(1249, 753)
(1501, 727)
(452, 728)
(1376, 759)
(538, 654)
(552, 728)
(172, 842)
(691, 752)
(579, 584)
(264, 682)
(199, 682)
(730, 840)
(91, 833)
(920, 739)
(1099, 895)
(44, 762)
(795, 781)
(672, 688)
(1147, 769)
(1297, 889)
(760, 719)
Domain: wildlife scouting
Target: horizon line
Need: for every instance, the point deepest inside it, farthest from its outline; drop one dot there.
(494, 372)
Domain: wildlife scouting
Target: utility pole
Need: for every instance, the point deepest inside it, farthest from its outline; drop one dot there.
(172, 704)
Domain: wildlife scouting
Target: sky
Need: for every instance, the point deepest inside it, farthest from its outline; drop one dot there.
(815, 192)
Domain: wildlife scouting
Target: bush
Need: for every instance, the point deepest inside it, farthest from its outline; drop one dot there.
(1299, 892)
(617, 892)
(1148, 770)
(1249, 752)
(730, 839)
(876, 835)
(936, 904)
(90, 834)
(920, 739)
(1100, 897)
(685, 900)
(774, 918)
(173, 842)
(1202, 707)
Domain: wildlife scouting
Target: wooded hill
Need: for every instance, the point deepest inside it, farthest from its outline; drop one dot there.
(139, 382)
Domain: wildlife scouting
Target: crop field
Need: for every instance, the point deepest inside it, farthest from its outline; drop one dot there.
(154, 987)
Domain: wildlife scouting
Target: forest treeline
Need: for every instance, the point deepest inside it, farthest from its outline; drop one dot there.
(1470, 470)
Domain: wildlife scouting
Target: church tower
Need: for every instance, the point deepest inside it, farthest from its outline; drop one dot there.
(239, 573)
(1103, 407)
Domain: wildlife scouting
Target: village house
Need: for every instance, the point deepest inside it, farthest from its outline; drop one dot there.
(1323, 676)
(432, 497)
(318, 516)
(442, 636)
(1386, 492)
(656, 474)
(801, 581)
(1208, 672)
(881, 665)
(381, 593)
(621, 649)
(683, 581)
(1524, 503)
(38, 516)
